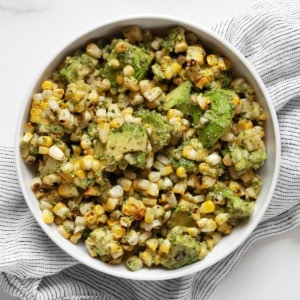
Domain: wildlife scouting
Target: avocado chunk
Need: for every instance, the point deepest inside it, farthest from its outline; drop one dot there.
(77, 67)
(182, 215)
(100, 241)
(137, 57)
(160, 129)
(128, 138)
(219, 116)
(243, 159)
(184, 249)
(237, 207)
(178, 96)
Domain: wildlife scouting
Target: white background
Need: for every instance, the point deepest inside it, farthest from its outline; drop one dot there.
(31, 31)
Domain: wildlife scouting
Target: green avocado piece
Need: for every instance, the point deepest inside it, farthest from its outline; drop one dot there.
(128, 138)
(184, 249)
(182, 215)
(219, 116)
(137, 57)
(243, 159)
(77, 67)
(178, 96)
(160, 129)
(236, 207)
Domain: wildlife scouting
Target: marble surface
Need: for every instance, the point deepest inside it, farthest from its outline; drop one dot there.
(31, 31)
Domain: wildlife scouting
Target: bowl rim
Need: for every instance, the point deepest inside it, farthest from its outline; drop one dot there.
(192, 268)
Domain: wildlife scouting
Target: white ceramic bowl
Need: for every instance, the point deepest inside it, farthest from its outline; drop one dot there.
(269, 171)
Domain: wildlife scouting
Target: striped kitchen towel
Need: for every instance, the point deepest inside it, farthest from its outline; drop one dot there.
(32, 267)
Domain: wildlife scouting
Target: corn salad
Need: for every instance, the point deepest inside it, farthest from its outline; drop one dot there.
(146, 148)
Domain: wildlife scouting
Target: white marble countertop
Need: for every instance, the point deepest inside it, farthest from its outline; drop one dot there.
(31, 31)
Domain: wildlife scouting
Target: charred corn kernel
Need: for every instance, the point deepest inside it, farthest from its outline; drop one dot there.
(52, 179)
(111, 203)
(207, 207)
(93, 50)
(90, 217)
(112, 222)
(245, 124)
(195, 53)
(167, 170)
(146, 257)
(48, 216)
(152, 244)
(36, 183)
(227, 161)
(221, 218)
(63, 231)
(92, 191)
(180, 187)
(56, 153)
(192, 231)
(99, 209)
(206, 225)
(47, 85)
(67, 190)
(212, 59)
(74, 238)
(117, 231)
(234, 186)
(61, 210)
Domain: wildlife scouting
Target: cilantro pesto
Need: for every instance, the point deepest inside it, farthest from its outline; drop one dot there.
(146, 148)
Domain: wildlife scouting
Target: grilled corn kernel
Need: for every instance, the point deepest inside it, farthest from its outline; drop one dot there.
(56, 153)
(47, 85)
(152, 244)
(74, 238)
(61, 210)
(207, 207)
(164, 247)
(48, 216)
(146, 257)
(67, 190)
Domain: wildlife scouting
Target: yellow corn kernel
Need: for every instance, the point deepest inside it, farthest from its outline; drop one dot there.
(227, 161)
(115, 250)
(146, 257)
(90, 217)
(181, 172)
(59, 93)
(203, 167)
(221, 218)
(245, 124)
(234, 186)
(35, 111)
(236, 101)
(192, 231)
(47, 85)
(207, 207)
(67, 190)
(63, 231)
(263, 116)
(92, 191)
(212, 59)
(74, 238)
(61, 210)
(117, 122)
(56, 153)
(149, 216)
(125, 183)
(80, 174)
(176, 67)
(111, 204)
(85, 144)
(48, 216)
(164, 247)
(180, 187)
(118, 231)
(104, 129)
(173, 113)
(43, 150)
(111, 222)
(152, 244)
(167, 170)
(86, 162)
(99, 209)
(153, 190)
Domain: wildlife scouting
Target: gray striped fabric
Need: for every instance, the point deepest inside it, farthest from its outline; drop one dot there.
(32, 267)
